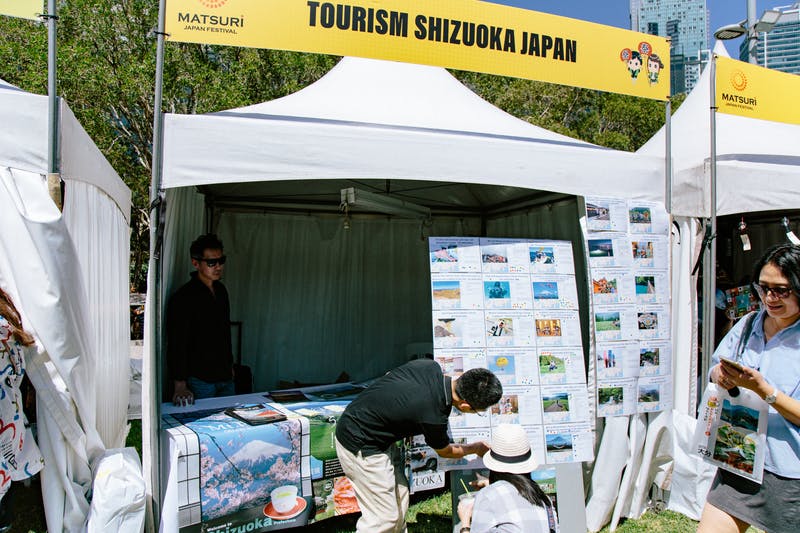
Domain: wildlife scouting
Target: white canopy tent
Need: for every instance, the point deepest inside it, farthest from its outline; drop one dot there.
(68, 272)
(316, 298)
(758, 161)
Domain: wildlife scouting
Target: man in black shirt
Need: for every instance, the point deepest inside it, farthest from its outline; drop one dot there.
(413, 399)
(199, 350)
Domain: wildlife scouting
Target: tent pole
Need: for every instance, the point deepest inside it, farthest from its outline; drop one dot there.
(710, 259)
(668, 152)
(154, 388)
(53, 127)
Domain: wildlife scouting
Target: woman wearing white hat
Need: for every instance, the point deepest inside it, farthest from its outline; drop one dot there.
(513, 502)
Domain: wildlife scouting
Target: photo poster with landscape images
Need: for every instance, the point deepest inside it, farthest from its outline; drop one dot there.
(628, 255)
(511, 305)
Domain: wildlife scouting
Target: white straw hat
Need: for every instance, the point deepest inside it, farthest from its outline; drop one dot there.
(511, 451)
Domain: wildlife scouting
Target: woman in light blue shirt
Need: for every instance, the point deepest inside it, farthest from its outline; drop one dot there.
(771, 369)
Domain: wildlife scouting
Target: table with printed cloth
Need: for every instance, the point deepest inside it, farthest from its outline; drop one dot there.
(219, 471)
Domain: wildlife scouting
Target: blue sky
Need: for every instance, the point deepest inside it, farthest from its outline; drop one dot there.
(615, 12)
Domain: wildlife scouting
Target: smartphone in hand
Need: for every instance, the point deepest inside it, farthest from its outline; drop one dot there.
(732, 363)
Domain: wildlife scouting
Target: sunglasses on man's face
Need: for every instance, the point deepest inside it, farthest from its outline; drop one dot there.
(213, 262)
(778, 292)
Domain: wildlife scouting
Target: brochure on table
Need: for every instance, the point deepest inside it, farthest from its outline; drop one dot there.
(627, 246)
(511, 305)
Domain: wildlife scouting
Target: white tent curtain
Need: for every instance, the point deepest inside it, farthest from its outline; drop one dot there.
(101, 239)
(69, 274)
(40, 267)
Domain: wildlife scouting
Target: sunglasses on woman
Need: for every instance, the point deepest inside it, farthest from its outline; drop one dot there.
(778, 292)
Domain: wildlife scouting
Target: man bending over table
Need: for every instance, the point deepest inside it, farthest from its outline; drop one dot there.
(413, 399)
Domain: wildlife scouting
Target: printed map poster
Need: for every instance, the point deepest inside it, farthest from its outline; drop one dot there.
(647, 217)
(551, 257)
(454, 254)
(606, 214)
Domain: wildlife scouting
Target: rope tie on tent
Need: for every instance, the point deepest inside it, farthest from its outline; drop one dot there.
(47, 16)
(708, 239)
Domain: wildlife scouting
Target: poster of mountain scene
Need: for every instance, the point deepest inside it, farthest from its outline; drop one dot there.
(240, 464)
(739, 415)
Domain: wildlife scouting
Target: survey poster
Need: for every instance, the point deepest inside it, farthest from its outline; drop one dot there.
(554, 291)
(513, 366)
(506, 291)
(617, 397)
(518, 405)
(507, 328)
(652, 286)
(466, 436)
(557, 328)
(613, 286)
(458, 329)
(650, 251)
(654, 394)
(653, 321)
(617, 360)
(454, 254)
(564, 403)
(456, 291)
(504, 256)
(536, 438)
(568, 443)
(655, 358)
(551, 257)
(606, 214)
(561, 365)
(647, 217)
(615, 323)
(456, 362)
(609, 250)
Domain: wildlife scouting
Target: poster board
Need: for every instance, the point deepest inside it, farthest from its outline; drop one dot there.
(510, 305)
(628, 254)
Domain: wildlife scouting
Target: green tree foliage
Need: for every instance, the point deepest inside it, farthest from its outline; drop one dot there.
(106, 71)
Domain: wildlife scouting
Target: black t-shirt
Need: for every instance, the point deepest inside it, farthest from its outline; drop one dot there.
(412, 399)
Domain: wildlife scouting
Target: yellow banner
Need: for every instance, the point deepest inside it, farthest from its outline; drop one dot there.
(757, 92)
(26, 9)
(460, 34)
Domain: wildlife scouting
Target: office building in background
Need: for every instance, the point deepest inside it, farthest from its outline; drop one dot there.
(779, 48)
(685, 22)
